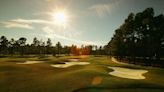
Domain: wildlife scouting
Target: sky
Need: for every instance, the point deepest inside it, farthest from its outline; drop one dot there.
(87, 22)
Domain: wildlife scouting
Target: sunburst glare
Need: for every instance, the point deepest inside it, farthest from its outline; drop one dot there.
(59, 18)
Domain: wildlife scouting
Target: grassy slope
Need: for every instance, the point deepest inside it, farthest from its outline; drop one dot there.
(43, 78)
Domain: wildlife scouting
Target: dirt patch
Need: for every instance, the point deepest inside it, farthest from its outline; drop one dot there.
(96, 80)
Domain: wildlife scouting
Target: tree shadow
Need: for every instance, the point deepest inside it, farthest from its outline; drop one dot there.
(119, 89)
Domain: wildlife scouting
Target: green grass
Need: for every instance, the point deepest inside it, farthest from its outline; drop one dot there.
(43, 78)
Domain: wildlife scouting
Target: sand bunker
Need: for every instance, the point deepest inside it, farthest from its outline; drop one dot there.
(115, 60)
(31, 62)
(128, 73)
(68, 64)
(73, 60)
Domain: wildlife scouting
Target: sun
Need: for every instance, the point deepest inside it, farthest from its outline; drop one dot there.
(59, 17)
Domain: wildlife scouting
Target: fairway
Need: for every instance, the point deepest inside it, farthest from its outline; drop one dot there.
(82, 46)
(91, 77)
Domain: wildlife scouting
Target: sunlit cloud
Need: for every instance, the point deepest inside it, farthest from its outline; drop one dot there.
(58, 15)
(16, 25)
(50, 33)
(42, 13)
(25, 23)
(30, 21)
(66, 33)
(104, 9)
(49, 0)
(101, 9)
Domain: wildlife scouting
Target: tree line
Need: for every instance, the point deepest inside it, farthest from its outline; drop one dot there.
(39, 47)
(140, 36)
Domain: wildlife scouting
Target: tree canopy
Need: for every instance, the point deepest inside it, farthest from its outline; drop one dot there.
(141, 35)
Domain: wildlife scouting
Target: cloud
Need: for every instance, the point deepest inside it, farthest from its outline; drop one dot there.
(101, 9)
(38, 21)
(50, 33)
(42, 13)
(16, 25)
(24, 23)
(49, 0)
(104, 9)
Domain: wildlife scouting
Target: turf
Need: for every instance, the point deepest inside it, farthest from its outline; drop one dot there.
(42, 77)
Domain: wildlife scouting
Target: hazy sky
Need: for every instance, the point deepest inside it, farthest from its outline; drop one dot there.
(85, 21)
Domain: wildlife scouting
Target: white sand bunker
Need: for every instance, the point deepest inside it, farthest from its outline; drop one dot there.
(31, 62)
(115, 60)
(68, 64)
(73, 60)
(128, 73)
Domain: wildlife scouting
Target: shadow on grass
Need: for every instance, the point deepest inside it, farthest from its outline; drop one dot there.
(117, 89)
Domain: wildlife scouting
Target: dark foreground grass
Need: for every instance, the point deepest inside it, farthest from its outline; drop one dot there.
(89, 78)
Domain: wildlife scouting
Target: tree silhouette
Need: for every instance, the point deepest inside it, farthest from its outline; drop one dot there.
(49, 44)
(11, 46)
(35, 46)
(22, 43)
(3, 45)
(58, 48)
(140, 35)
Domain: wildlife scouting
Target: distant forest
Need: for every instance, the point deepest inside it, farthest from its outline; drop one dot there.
(39, 47)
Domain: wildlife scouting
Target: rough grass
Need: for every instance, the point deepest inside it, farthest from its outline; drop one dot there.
(44, 78)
